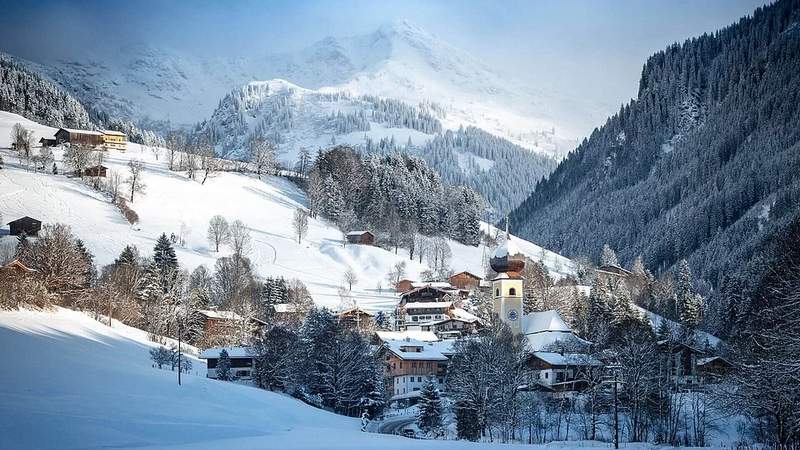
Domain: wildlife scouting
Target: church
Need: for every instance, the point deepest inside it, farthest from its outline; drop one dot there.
(559, 358)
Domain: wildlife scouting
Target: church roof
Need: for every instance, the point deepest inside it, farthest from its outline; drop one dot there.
(537, 322)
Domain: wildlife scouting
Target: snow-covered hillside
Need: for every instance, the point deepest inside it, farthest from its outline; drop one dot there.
(79, 384)
(399, 60)
(171, 201)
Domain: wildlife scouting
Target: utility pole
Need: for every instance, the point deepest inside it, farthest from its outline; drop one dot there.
(179, 348)
(616, 412)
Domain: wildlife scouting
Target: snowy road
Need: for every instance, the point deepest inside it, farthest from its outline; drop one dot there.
(391, 425)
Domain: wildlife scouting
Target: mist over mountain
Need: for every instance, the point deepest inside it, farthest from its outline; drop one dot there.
(159, 87)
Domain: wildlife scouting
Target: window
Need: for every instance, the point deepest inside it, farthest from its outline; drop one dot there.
(497, 292)
(419, 379)
(512, 292)
(546, 375)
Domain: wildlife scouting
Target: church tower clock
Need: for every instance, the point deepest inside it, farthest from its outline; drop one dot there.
(508, 262)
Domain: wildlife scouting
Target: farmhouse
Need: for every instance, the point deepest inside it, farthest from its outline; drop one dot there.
(355, 319)
(410, 363)
(48, 142)
(85, 137)
(242, 361)
(225, 322)
(561, 373)
(27, 225)
(18, 267)
(465, 281)
(361, 238)
(114, 140)
(95, 171)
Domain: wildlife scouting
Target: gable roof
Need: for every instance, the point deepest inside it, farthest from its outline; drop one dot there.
(25, 219)
(538, 322)
(464, 272)
(358, 233)
(233, 352)
(567, 359)
(113, 133)
(17, 264)
(424, 336)
(428, 351)
(73, 130)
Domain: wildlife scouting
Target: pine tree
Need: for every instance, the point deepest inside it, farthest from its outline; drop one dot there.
(129, 256)
(223, 368)
(429, 418)
(608, 257)
(165, 262)
(23, 245)
(688, 303)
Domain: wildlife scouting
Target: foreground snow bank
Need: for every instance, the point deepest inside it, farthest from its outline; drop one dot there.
(70, 382)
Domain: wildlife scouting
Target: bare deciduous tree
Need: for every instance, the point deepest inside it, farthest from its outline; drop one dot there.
(78, 157)
(262, 156)
(135, 182)
(209, 164)
(300, 223)
(240, 238)
(218, 231)
(22, 139)
(350, 278)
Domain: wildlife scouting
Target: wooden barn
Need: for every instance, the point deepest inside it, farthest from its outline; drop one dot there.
(95, 171)
(361, 238)
(85, 137)
(17, 266)
(27, 225)
(465, 281)
(355, 319)
(47, 142)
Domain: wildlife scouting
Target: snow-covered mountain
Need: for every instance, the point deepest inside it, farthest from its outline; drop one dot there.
(399, 61)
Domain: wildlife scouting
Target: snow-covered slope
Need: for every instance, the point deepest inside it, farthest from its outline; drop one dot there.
(398, 61)
(71, 382)
(171, 200)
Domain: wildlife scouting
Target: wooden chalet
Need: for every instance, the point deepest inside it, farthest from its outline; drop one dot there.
(465, 281)
(85, 137)
(95, 171)
(48, 142)
(27, 225)
(426, 293)
(18, 267)
(225, 322)
(403, 285)
(680, 362)
(355, 319)
(713, 368)
(360, 238)
(411, 363)
(452, 327)
(561, 374)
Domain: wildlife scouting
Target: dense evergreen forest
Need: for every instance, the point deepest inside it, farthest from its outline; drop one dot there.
(33, 97)
(703, 165)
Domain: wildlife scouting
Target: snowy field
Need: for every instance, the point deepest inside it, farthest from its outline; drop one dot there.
(71, 382)
(171, 201)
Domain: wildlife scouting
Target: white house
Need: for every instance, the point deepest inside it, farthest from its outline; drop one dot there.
(242, 361)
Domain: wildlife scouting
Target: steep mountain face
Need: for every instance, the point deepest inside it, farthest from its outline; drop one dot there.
(703, 165)
(26, 93)
(159, 87)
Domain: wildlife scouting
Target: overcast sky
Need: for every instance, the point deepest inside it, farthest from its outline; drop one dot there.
(593, 48)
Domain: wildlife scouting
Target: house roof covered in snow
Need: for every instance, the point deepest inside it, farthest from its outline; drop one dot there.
(225, 315)
(465, 315)
(357, 232)
(424, 336)
(113, 133)
(411, 349)
(434, 284)
(75, 131)
(545, 328)
(233, 352)
(426, 305)
(567, 359)
(285, 308)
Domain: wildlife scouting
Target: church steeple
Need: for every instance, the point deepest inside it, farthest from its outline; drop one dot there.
(508, 262)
